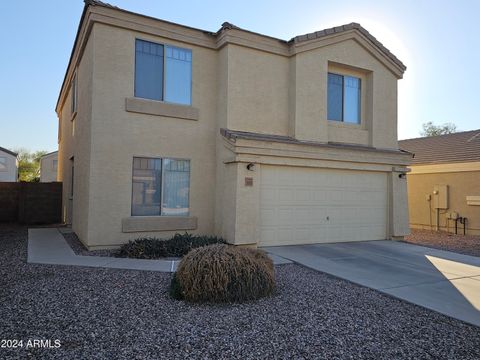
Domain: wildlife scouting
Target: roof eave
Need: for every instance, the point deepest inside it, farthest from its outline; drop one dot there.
(88, 3)
(8, 151)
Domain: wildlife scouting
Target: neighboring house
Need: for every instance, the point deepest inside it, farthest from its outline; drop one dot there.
(49, 167)
(165, 128)
(8, 166)
(444, 184)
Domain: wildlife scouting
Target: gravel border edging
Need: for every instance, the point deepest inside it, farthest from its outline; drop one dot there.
(79, 249)
(461, 244)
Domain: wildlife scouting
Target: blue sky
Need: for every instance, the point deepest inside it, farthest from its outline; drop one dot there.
(437, 40)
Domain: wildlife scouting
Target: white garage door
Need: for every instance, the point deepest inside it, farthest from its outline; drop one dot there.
(304, 205)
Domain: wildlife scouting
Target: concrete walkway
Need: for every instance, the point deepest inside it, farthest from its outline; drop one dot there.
(439, 280)
(48, 246)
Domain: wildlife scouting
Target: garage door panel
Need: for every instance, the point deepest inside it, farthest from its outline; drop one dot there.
(268, 216)
(285, 214)
(268, 235)
(267, 194)
(303, 194)
(303, 205)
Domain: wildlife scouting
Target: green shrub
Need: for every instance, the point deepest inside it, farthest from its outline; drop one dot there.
(224, 273)
(177, 246)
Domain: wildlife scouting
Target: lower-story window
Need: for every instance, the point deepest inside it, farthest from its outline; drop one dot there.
(160, 186)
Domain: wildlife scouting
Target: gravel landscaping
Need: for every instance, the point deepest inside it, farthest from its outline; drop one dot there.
(79, 249)
(123, 314)
(463, 244)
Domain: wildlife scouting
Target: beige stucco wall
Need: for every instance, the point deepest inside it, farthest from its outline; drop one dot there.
(235, 87)
(460, 185)
(258, 85)
(75, 147)
(48, 172)
(10, 174)
(379, 96)
(398, 219)
(118, 136)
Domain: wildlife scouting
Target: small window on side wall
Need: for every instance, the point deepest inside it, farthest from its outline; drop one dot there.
(160, 187)
(344, 98)
(163, 72)
(74, 94)
(3, 163)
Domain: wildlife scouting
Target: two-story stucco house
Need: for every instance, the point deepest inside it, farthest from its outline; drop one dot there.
(165, 128)
(8, 166)
(48, 167)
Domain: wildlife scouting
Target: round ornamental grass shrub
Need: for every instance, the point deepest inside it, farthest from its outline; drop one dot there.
(223, 273)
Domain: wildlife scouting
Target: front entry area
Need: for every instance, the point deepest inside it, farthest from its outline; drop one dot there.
(300, 205)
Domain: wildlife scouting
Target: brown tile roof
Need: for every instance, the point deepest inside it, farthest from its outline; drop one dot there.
(235, 134)
(8, 151)
(99, 3)
(458, 147)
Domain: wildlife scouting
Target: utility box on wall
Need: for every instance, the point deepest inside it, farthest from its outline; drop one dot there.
(440, 196)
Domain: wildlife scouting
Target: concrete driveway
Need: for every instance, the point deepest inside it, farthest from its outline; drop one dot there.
(439, 280)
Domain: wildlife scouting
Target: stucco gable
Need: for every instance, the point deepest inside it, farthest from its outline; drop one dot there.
(352, 27)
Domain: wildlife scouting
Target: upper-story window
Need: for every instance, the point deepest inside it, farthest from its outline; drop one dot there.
(54, 165)
(344, 98)
(3, 163)
(163, 72)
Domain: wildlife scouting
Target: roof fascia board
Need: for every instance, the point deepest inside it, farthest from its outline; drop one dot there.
(49, 154)
(77, 52)
(188, 35)
(9, 152)
(312, 163)
(306, 151)
(252, 40)
(141, 23)
(444, 167)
